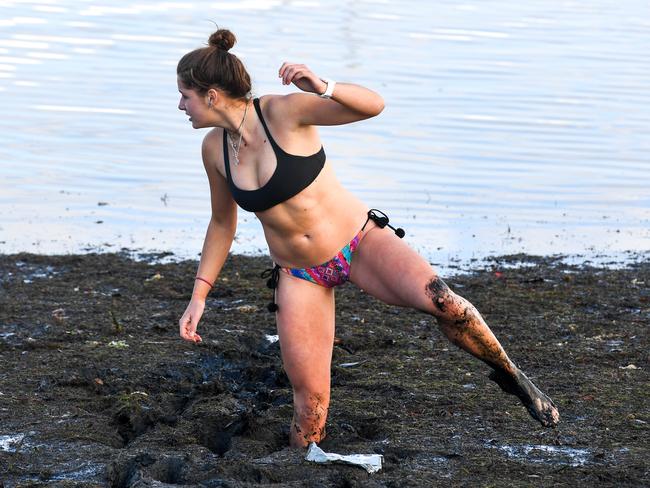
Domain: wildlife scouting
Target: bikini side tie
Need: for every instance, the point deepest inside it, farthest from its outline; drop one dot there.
(273, 275)
(382, 221)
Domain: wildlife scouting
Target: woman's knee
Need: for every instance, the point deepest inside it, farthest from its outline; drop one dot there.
(444, 303)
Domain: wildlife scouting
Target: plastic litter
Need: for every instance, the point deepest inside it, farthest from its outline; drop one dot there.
(351, 365)
(369, 462)
(629, 366)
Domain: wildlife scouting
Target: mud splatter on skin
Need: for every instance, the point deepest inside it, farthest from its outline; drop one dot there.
(439, 293)
(468, 331)
(540, 406)
(313, 420)
(463, 329)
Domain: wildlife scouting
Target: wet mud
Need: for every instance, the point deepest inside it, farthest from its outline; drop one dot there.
(97, 388)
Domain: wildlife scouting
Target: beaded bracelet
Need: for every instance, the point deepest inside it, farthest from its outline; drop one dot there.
(205, 281)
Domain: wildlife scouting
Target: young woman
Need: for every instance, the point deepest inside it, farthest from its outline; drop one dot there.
(265, 155)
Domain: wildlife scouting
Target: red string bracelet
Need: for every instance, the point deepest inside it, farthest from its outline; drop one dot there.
(205, 281)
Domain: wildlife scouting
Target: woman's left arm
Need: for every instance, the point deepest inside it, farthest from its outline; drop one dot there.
(348, 103)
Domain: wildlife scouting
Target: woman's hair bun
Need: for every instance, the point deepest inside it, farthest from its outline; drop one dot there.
(222, 39)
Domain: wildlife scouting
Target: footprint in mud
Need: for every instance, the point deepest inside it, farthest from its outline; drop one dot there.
(123, 471)
(168, 469)
(370, 429)
(216, 434)
(133, 415)
(145, 470)
(269, 429)
(137, 412)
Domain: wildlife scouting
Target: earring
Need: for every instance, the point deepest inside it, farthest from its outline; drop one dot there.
(209, 103)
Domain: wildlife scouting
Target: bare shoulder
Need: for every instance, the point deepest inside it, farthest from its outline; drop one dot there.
(286, 110)
(273, 106)
(213, 138)
(289, 103)
(283, 102)
(212, 150)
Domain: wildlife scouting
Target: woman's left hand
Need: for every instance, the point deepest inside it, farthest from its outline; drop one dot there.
(301, 76)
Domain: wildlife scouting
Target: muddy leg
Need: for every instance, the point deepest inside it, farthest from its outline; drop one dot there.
(387, 268)
(464, 326)
(309, 417)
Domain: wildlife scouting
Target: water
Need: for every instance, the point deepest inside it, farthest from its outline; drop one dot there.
(509, 126)
(540, 453)
(53, 456)
(9, 443)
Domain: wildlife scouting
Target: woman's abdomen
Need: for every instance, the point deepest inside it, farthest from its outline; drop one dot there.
(313, 226)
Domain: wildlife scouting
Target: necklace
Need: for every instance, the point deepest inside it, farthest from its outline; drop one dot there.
(237, 147)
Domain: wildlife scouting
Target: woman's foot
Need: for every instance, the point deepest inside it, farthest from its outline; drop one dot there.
(540, 406)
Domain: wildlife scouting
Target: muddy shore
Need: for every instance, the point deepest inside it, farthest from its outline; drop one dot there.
(97, 389)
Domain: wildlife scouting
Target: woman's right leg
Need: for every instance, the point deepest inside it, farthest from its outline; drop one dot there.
(305, 321)
(387, 268)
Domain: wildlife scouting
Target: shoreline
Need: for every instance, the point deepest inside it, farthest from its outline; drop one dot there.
(456, 265)
(97, 389)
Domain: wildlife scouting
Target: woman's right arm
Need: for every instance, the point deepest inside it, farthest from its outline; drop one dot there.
(218, 238)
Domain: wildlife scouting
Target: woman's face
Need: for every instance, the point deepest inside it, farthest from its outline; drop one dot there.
(194, 105)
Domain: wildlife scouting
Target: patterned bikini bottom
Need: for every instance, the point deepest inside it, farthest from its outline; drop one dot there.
(334, 272)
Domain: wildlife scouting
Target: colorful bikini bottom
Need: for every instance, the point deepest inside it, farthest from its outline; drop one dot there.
(334, 272)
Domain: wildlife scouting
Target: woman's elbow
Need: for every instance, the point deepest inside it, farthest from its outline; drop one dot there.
(224, 225)
(376, 107)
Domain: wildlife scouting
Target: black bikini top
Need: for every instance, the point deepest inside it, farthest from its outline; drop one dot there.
(292, 174)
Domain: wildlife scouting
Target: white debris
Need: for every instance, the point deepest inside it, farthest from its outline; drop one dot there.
(8, 442)
(272, 338)
(369, 462)
(246, 308)
(629, 366)
(352, 365)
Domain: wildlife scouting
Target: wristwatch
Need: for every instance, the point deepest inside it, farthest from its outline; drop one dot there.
(330, 88)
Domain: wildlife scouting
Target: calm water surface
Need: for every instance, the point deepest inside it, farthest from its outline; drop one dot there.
(509, 126)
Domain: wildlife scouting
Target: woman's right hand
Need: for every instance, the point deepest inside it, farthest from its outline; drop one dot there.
(190, 320)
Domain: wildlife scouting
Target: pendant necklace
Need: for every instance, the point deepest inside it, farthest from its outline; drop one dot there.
(237, 147)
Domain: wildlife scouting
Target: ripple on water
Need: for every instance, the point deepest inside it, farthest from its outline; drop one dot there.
(500, 115)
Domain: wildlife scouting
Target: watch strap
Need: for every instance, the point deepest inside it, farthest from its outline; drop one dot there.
(330, 88)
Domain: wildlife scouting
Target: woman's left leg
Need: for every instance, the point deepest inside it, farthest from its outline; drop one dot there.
(387, 268)
(305, 321)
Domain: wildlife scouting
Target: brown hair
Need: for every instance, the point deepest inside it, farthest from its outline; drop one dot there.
(214, 67)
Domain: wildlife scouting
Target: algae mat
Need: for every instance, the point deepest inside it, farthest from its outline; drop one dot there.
(97, 389)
